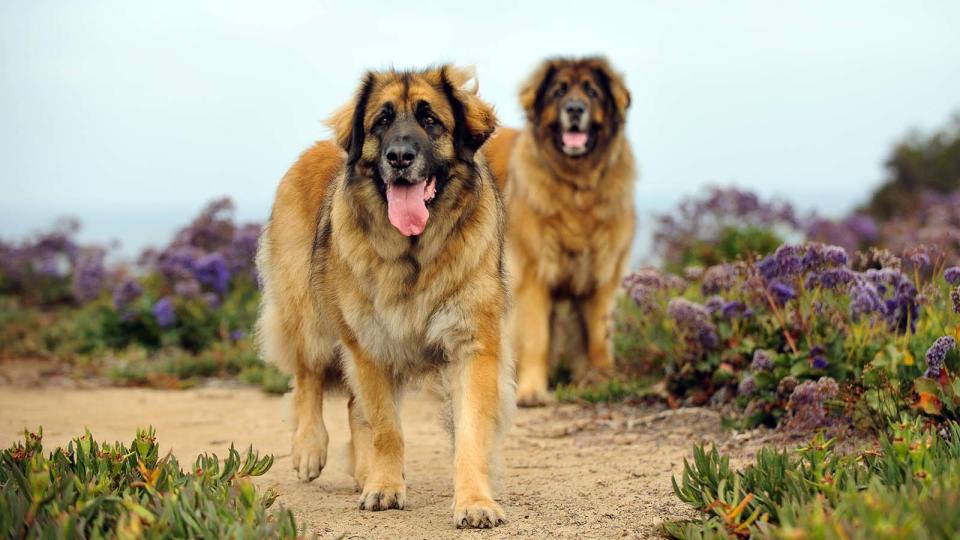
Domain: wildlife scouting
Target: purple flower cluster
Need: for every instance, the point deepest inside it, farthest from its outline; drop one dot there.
(807, 404)
(955, 297)
(205, 256)
(718, 278)
(694, 320)
(164, 313)
(830, 279)
(901, 307)
(644, 284)
(853, 232)
(89, 273)
(761, 361)
(952, 275)
(747, 386)
(782, 292)
(54, 255)
(702, 219)
(790, 261)
(936, 355)
(125, 293)
(818, 359)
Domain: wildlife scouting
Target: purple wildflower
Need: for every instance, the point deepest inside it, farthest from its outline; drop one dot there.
(125, 293)
(748, 386)
(211, 270)
(807, 404)
(788, 260)
(955, 296)
(242, 250)
(768, 267)
(643, 297)
(835, 255)
(646, 276)
(833, 277)
(865, 299)
(782, 292)
(178, 262)
(761, 361)
(952, 275)
(936, 355)
(237, 335)
(694, 319)
(187, 287)
(920, 258)
(718, 278)
(164, 312)
(819, 362)
(714, 304)
(89, 274)
(732, 309)
(693, 273)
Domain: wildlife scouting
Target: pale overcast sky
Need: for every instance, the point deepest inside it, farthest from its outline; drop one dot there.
(130, 115)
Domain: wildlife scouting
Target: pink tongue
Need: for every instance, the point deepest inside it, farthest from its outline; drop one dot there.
(574, 140)
(406, 208)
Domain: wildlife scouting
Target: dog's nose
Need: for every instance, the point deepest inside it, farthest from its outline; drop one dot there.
(575, 108)
(401, 154)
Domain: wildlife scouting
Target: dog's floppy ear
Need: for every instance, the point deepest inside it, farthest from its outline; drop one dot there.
(533, 91)
(474, 118)
(347, 121)
(613, 85)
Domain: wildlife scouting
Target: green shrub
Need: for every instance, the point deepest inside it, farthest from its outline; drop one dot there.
(98, 490)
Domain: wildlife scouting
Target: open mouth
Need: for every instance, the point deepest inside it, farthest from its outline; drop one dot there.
(574, 142)
(407, 204)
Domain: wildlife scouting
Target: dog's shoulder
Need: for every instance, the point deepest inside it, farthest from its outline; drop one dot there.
(305, 186)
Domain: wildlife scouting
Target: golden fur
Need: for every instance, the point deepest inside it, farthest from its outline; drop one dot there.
(570, 220)
(343, 286)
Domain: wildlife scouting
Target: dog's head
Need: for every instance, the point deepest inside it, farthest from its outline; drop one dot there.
(578, 105)
(412, 133)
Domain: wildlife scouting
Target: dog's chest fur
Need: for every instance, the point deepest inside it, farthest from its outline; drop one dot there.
(408, 303)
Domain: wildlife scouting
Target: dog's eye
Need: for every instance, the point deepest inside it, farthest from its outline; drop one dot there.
(383, 120)
(590, 90)
(429, 120)
(560, 91)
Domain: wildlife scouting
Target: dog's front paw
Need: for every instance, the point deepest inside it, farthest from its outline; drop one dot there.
(533, 397)
(378, 496)
(478, 514)
(309, 452)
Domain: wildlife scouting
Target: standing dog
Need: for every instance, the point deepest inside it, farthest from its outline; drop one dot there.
(384, 255)
(568, 182)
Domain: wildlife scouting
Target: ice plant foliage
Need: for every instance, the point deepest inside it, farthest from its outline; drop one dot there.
(91, 489)
(906, 486)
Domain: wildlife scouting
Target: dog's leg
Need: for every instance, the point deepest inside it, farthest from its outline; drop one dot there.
(361, 442)
(530, 324)
(478, 420)
(597, 316)
(310, 436)
(378, 392)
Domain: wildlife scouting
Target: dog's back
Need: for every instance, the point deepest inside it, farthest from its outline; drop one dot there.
(288, 325)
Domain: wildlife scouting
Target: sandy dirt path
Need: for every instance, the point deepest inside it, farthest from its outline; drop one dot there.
(571, 471)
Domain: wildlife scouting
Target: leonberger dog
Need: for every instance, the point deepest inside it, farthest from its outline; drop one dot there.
(383, 257)
(568, 180)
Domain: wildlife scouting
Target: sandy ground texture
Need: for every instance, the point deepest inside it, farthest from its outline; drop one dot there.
(571, 471)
